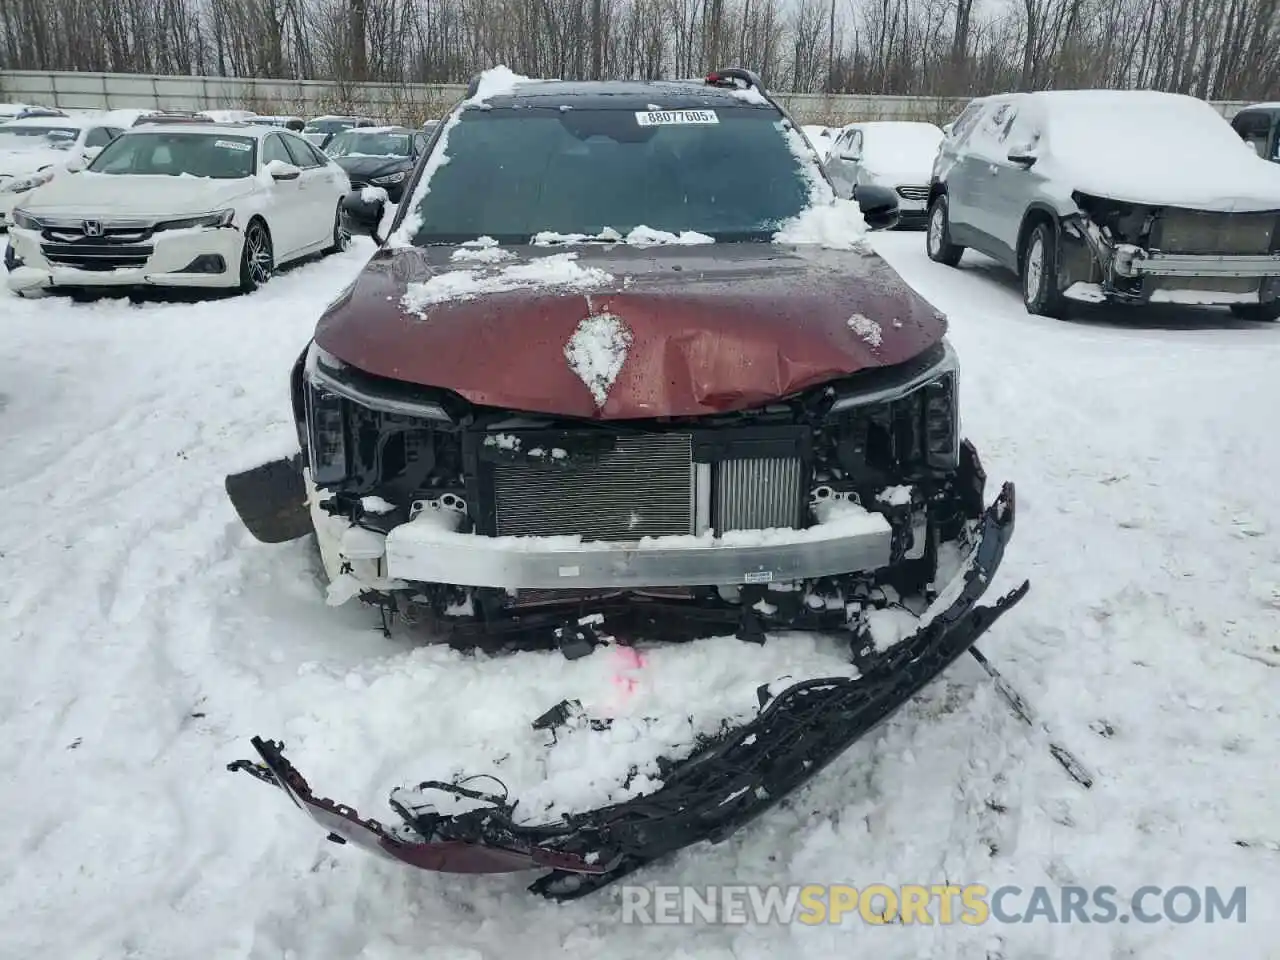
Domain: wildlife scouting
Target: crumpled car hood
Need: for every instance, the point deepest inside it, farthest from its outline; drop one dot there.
(704, 328)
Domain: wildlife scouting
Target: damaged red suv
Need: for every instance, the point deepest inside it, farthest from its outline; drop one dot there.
(625, 365)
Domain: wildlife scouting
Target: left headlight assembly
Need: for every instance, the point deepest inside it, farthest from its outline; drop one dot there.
(219, 218)
(23, 184)
(389, 178)
(23, 220)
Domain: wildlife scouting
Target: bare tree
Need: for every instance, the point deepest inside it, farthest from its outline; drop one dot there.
(1225, 49)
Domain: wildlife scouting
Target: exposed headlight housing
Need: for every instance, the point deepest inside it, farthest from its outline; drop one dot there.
(915, 421)
(389, 178)
(23, 220)
(219, 218)
(23, 184)
(329, 386)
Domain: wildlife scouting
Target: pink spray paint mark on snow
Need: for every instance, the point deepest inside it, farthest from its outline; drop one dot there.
(627, 661)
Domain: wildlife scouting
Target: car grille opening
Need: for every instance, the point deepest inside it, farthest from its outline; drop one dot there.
(913, 193)
(96, 256)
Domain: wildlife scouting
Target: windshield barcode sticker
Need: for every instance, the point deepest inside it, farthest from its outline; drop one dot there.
(659, 118)
(232, 145)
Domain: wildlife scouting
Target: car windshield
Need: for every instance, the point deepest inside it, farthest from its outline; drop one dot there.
(515, 173)
(360, 143)
(34, 137)
(328, 126)
(174, 153)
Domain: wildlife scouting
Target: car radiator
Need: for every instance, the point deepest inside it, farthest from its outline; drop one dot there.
(647, 485)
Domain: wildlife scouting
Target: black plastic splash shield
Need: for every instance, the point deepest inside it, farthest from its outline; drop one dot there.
(706, 796)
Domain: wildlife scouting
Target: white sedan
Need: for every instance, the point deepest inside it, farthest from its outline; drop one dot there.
(897, 154)
(191, 205)
(34, 150)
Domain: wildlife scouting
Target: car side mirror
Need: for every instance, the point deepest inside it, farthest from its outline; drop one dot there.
(76, 164)
(946, 129)
(280, 170)
(850, 155)
(879, 206)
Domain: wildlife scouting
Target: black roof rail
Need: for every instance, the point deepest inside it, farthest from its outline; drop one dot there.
(735, 76)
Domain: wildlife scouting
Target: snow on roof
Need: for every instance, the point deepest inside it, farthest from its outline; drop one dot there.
(252, 130)
(62, 122)
(1144, 146)
(500, 81)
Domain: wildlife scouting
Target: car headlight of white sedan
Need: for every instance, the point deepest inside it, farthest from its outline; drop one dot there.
(218, 218)
(29, 182)
(24, 220)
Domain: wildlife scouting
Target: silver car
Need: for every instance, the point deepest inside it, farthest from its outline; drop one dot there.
(1110, 196)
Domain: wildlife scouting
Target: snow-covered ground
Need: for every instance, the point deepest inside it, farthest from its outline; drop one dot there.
(147, 637)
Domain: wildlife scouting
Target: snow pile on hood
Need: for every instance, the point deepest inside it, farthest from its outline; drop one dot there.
(1142, 146)
(900, 150)
(494, 82)
(596, 352)
(481, 250)
(555, 271)
(866, 329)
(641, 236)
(829, 221)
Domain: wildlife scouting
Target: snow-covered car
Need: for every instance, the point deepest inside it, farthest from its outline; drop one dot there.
(213, 205)
(626, 362)
(320, 130)
(378, 160)
(227, 116)
(897, 154)
(21, 111)
(1076, 192)
(288, 121)
(35, 150)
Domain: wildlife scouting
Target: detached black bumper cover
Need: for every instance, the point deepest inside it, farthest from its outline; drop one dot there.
(706, 796)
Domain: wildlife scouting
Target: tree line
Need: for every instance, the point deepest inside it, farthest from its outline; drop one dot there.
(1217, 49)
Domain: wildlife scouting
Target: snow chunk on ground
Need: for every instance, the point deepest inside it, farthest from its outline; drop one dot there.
(866, 328)
(596, 352)
(555, 271)
(376, 505)
(371, 194)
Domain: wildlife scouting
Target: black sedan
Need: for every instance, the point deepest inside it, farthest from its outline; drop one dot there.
(378, 160)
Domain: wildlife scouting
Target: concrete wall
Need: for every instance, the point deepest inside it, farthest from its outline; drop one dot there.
(405, 103)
